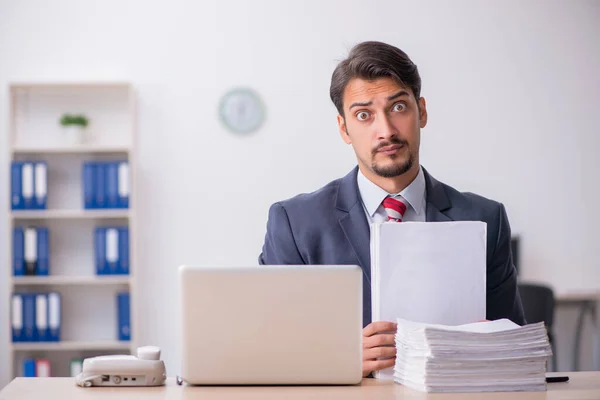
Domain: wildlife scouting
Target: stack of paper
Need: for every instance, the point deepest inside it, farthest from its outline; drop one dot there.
(480, 357)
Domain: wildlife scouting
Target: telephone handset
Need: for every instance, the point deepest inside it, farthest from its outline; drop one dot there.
(147, 369)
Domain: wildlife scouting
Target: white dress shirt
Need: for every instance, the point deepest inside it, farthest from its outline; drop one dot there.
(414, 196)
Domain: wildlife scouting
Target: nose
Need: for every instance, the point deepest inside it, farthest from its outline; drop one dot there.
(385, 128)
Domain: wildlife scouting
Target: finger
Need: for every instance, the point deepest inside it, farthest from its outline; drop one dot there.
(379, 352)
(378, 365)
(379, 326)
(382, 339)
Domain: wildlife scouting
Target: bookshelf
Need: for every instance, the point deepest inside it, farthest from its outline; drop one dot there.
(88, 309)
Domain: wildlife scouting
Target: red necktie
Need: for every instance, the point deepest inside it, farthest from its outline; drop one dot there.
(394, 208)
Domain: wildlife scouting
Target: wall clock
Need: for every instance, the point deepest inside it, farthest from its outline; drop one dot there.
(241, 110)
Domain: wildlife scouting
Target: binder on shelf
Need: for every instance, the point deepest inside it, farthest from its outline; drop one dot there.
(18, 251)
(29, 368)
(17, 317)
(123, 268)
(27, 185)
(112, 250)
(100, 185)
(42, 368)
(41, 185)
(112, 184)
(54, 317)
(31, 250)
(106, 184)
(124, 332)
(16, 187)
(43, 265)
(75, 367)
(41, 317)
(124, 186)
(29, 328)
(89, 185)
(100, 250)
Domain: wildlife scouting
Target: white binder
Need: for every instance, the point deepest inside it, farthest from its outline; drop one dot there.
(41, 181)
(41, 316)
(112, 250)
(54, 316)
(27, 179)
(31, 246)
(17, 317)
(431, 272)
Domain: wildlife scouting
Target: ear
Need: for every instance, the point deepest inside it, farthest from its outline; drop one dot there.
(422, 112)
(343, 131)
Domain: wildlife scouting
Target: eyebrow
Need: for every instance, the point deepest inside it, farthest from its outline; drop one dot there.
(399, 94)
(369, 103)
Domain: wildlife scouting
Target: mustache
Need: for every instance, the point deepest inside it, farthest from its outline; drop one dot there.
(391, 142)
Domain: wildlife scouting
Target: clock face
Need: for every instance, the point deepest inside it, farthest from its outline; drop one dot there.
(242, 110)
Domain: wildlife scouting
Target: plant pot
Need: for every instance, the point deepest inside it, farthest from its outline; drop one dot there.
(74, 134)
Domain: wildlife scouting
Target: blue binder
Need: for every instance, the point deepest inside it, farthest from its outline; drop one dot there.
(29, 368)
(124, 332)
(112, 184)
(111, 254)
(41, 317)
(41, 185)
(54, 316)
(18, 251)
(100, 184)
(16, 314)
(100, 250)
(28, 184)
(43, 266)
(123, 268)
(29, 329)
(16, 190)
(31, 250)
(89, 185)
(124, 185)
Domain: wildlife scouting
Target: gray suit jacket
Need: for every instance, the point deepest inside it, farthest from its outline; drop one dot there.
(329, 226)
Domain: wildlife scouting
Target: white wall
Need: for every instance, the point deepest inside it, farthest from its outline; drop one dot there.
(513, 90)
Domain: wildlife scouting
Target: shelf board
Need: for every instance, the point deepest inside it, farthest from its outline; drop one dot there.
(80, 149)
(71, 214)
(70, 85)
(100, 280)
(71, 345)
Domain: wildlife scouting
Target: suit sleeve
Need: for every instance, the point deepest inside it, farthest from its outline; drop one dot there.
(280, 246)
(503, 300)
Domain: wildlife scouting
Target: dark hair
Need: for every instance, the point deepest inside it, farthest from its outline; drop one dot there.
(370, 61)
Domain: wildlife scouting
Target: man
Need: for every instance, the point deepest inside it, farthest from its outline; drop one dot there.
(376, 91)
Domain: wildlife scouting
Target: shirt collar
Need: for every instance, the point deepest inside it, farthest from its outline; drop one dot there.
(372, 195)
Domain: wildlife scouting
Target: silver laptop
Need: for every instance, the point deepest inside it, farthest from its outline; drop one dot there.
(271, 325)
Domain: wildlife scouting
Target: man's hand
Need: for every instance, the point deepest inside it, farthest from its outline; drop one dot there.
(379, 342)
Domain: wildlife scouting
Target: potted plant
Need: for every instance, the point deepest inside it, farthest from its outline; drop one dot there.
(74, 126)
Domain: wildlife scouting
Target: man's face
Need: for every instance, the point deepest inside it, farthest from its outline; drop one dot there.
(383, 123)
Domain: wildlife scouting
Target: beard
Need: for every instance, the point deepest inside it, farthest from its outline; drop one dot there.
(395, 169)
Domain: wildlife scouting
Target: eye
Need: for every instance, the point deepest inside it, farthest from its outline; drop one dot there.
(362, 115)
(399, 107)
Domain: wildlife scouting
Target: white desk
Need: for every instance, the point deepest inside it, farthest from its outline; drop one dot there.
(582, 385)
(587, 301)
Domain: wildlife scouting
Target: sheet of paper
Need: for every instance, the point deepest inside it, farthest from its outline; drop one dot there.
(499, 325)
(432, 272)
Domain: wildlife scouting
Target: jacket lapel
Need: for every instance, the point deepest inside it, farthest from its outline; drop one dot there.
(353, 221)
(437, 200)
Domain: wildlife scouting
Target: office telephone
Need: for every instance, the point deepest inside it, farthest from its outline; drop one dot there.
(147, 369)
